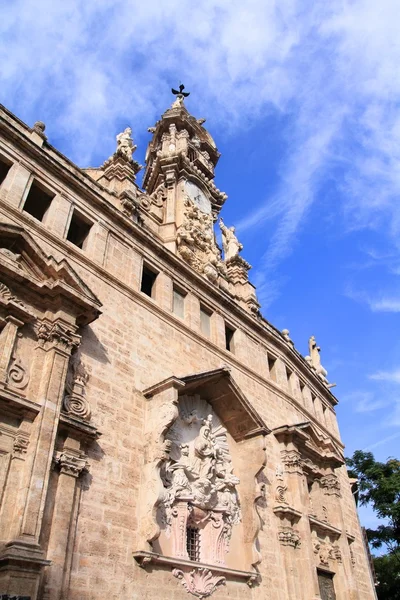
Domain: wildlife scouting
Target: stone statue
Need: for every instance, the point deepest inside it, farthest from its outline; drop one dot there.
(230, 243)
(125, 145)
(314, 359)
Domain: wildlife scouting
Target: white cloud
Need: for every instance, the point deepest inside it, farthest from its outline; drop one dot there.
(389, 376)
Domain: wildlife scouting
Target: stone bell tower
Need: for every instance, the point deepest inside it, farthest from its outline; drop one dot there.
(180, 164)
(181, 158)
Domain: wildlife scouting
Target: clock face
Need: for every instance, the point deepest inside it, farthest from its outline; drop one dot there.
(198, 197)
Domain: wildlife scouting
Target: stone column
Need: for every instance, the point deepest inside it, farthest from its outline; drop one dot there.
(71, 462)
(24, 554)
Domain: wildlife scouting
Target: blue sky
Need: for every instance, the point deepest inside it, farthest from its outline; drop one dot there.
(302, 99)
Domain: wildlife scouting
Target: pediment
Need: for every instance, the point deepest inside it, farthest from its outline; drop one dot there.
(311, 442)
(229, 403)
(23, 261)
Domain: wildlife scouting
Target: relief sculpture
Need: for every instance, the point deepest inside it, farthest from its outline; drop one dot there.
(200, 487)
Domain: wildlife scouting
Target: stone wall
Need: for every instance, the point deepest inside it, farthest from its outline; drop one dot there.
(95, 467)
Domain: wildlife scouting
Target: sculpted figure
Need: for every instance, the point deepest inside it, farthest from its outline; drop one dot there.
(125, 144)
(230, 243)
(314, 358)
(181, 472)
(205, 450)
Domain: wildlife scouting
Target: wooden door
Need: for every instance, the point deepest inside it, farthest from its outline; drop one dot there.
(326, 587)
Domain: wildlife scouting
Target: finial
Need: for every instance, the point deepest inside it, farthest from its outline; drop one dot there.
(39, 128)
(180, 95)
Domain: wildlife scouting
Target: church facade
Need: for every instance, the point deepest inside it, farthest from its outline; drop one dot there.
(158, 437)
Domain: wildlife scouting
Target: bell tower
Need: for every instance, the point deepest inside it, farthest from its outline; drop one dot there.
(180, 163)
(181, 158)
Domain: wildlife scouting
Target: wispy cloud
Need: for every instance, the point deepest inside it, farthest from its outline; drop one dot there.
(330, 68)
(364, 402)
(389, 376)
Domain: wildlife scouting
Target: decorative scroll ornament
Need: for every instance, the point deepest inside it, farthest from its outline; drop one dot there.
(200, 582)
(18, 375)
(75, 402)
(280, 494)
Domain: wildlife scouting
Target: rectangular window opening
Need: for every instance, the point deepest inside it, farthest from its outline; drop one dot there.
(148, 279)
(229, 335)
(272, 367)
(193, 543)
(4, 168)
(178, 303)
(289, 374)
(205, 321)
(38, 201)
(79, 229)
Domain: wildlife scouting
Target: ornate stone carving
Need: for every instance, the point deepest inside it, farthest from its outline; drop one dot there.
(56, 333)
(71, 463)
(196, 243)
(39, 128)
(18, 374)
(125, 145)
(8, 296)
(335, 553)
(285, 333)
(280, 494)
(200, 582)
(230, 243)
(75, 402)
(21, 442)
(292, 461)
(314, 360)
(330, 485)
(199, 483)
(289, 537)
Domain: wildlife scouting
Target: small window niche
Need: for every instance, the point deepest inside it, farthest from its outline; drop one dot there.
(178, 302)
(289, 375)
(272, 367)
(205, 321)
(229, 338)
(5, 166)
(79, 229)
(193, 543)
(38, 201)
(148, 280)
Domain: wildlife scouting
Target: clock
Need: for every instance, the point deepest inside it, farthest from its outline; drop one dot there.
(198, 197)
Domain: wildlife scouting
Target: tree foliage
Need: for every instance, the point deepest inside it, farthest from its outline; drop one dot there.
(379, 486)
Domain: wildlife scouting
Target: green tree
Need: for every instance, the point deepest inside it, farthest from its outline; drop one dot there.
(379, 486)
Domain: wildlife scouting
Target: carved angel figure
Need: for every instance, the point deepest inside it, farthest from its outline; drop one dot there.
(125, 144)
(230, 243)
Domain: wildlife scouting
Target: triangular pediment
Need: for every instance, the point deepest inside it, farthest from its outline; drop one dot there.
(22, 261)
(220, 390)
